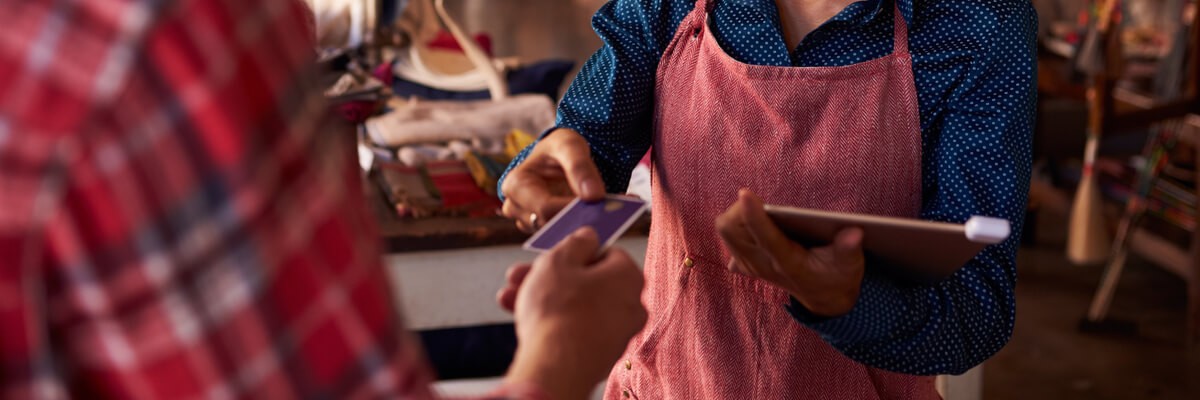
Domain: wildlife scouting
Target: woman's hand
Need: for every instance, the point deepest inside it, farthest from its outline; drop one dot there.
(826, 280)
(559, 168)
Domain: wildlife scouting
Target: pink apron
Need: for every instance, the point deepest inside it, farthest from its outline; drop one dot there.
(836, 138)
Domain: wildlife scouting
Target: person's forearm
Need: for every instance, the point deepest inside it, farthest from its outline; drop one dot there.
(946, 328)
(538, 375)
(550, 370)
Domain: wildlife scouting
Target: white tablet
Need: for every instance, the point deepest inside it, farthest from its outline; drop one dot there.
(924, 250)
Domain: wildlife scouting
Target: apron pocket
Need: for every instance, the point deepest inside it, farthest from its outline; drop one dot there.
(663, 321)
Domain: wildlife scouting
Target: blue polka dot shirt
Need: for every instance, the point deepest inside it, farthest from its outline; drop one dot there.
(975, 71)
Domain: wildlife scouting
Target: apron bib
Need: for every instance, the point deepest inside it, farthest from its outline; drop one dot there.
(834, 138)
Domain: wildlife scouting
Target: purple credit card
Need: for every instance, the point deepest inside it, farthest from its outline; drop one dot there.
(610, 218)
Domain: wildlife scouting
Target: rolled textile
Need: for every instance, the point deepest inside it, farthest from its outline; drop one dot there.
(413, 121)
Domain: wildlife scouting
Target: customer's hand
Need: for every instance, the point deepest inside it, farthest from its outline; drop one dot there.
(507, 296)
(575, 313)
(826, 280)
(559, 168)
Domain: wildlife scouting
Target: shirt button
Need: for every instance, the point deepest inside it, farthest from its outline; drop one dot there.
(625, 393)
(687, 262)
(628, 365)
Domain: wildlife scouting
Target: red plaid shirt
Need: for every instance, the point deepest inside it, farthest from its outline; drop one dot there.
(177, 217)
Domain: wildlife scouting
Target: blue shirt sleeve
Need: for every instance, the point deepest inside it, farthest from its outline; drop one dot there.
(980, 165)
(610, 102)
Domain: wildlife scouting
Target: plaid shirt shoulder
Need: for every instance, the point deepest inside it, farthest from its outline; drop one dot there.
(177, 218)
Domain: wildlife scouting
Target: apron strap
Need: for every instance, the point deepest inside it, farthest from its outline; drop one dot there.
(899, 29)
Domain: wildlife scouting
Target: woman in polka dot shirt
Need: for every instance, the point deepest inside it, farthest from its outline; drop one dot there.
(918, 108)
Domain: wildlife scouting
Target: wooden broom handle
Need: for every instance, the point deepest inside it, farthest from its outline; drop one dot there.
(1193, 77)
(1104, 15)
(497, 86)
(1099, 92)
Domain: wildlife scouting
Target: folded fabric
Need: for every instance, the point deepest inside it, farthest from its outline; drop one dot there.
(415, 121)
(459, 149)
(516, 141)
(489, 146)
(418, 155)
(407, 189)
(486, 170)
(458, 190)
(544, 77)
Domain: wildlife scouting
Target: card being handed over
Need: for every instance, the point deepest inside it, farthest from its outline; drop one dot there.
(610, 218)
